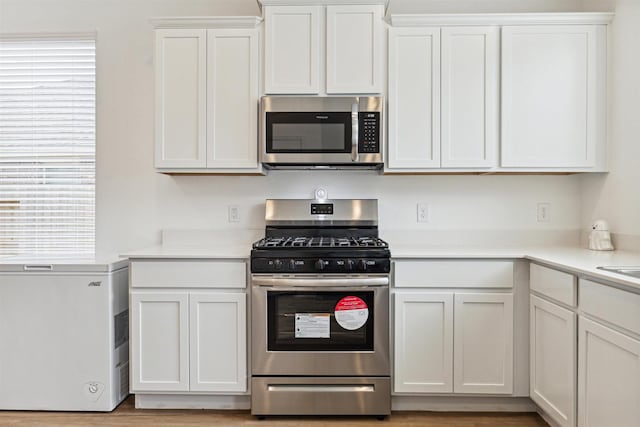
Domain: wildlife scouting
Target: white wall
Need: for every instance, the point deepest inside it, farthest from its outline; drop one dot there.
(134, 203)
(615, 196)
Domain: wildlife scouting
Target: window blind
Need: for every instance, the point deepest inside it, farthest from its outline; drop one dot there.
(47, 146)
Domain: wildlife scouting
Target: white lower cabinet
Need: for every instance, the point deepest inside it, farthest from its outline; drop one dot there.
(423, 342)
(159, 341)
(608, 377)
(585, 358)
(188, 341)
(483, 343)
(188, 326)
(218, 340)
(453, 342)
(553, 360)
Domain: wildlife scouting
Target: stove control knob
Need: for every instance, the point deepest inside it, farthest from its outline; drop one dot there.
(362, 265)
(278, 264)
(350, 265)
(292, 264)
(320, 264)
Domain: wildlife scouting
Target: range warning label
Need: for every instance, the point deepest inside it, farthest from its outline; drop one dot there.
(351, 313)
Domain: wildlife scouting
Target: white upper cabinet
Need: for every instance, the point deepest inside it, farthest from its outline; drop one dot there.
(354, 49)
(469, 134)
(414, 98)
(292, 49)
(232, 99)
(180, 87)
(326, 48)
(486, 93)
(207, 89)
(552, 105)
(443, 107)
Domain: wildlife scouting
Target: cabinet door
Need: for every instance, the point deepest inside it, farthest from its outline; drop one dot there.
(218, 342)
(354, 49)
(292, 49)
(549, 78)
(553, 360)
(414, 98)
(608, 377)
(469, 96)
(159, 341)
(232, 98)
(423, 359)
(180, 104)
(483, 343)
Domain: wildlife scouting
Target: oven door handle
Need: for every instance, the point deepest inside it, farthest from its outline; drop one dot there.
(320, 283)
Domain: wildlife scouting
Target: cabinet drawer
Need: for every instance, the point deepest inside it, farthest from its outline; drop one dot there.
(454, 273)
(554, 284)
(191, 274)
(610, 304)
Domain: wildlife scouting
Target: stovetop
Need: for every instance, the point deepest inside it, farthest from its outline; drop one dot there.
(343, 255)
(321, 236)
(303, 242)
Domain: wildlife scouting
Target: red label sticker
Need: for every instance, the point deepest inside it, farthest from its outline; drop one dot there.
(351, 313)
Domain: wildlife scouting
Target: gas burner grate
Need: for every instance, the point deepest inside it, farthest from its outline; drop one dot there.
(320, 242)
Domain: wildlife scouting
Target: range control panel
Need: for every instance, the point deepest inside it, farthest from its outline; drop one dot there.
(320, 265)
(369, 132)
(321, 208)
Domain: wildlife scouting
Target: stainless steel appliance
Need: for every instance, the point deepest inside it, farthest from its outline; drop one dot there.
(336, 132)
(320, 310)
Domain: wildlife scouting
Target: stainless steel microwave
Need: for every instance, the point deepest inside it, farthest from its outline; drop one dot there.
(335, 132)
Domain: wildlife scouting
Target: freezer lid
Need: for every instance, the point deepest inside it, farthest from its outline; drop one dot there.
(61, 264)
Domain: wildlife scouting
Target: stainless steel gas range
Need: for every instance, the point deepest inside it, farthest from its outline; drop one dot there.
(320, 310)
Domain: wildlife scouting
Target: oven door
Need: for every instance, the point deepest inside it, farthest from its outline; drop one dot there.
(320, 325)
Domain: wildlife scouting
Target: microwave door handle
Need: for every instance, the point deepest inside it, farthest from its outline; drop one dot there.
(354, 131)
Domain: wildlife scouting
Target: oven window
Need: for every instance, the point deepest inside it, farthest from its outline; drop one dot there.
(306, 321)
(308, 132)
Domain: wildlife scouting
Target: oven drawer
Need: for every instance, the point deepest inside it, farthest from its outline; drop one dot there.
(320, 396)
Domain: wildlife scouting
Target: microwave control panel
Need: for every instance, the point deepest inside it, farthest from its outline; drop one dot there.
(369, 132)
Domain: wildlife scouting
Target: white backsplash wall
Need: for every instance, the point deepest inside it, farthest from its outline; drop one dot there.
(134, 203)
(456, 203)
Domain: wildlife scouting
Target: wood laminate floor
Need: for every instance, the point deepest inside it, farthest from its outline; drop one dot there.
(126, 415)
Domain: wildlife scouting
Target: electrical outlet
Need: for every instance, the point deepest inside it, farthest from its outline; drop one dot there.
(544, 209)
(234, 213)
(423, 212)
